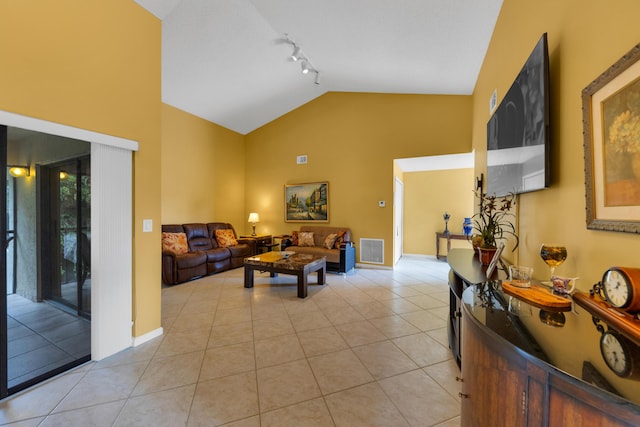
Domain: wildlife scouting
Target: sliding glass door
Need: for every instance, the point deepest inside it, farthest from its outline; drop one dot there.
(45, 312)
(66, 234)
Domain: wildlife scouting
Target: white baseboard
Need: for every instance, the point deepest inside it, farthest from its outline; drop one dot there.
(136, 341)
(373, 266)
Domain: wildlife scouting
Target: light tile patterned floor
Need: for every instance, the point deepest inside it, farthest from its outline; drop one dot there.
(366, 349)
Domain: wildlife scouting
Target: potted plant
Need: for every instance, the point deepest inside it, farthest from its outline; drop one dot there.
(493, 222)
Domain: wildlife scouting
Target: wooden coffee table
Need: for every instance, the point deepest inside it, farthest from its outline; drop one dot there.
(299, 265)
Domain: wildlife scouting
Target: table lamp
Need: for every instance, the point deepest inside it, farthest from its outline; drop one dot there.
(253, 219)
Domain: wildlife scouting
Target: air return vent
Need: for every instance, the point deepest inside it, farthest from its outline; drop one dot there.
(372, 251)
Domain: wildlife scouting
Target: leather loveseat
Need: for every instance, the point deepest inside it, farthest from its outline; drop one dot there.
(194, 250)
(341, 254)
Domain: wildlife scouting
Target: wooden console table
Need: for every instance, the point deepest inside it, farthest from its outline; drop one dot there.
(517, 370)
(449, 237)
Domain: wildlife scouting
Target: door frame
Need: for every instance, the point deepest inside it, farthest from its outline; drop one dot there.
(4, 352)
(398, 219)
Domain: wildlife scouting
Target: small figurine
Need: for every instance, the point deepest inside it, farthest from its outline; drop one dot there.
(446, 217)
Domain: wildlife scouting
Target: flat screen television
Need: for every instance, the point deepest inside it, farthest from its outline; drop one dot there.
(518, 131)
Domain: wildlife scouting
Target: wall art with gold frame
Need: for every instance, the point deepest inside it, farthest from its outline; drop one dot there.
(307, 202)
(611, 127)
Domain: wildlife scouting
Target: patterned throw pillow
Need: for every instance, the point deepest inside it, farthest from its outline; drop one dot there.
(175, 243)
(305, 238)
(339, 239)
(294, 238)
(330, 241)
(226, 238)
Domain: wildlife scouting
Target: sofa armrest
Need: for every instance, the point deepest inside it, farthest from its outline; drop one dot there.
(347, 257)
(169, 268)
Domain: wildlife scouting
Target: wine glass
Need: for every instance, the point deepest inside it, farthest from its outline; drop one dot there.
(553, 255)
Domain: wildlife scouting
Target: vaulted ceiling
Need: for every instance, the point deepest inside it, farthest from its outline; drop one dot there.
(229, 61)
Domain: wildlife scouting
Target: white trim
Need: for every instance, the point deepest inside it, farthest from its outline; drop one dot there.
(30, 123)
(136, 341)
(373, 266)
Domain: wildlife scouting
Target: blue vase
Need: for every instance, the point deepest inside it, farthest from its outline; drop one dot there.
(467, 227)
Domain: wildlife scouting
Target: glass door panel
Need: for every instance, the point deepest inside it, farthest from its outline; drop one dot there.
(70, 225)
(45, 325)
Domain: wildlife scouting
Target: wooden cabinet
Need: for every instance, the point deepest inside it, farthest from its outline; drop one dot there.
(508, 377)
(465, 271)
(454, 324)
(494, 382)
(503, 385)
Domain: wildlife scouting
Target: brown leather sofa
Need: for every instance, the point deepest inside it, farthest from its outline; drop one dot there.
(204, 256)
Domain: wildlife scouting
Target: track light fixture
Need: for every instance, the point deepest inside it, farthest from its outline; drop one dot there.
(298, 55)
(305, 66)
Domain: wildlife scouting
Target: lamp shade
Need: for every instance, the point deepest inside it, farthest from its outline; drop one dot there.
(254, 217)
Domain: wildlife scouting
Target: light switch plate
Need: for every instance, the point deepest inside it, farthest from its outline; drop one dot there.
(147, 225)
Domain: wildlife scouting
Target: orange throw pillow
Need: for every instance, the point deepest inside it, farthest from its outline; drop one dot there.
(330, 241)
(175, 243)
(305, 238)
(339, 239)
(226, 238)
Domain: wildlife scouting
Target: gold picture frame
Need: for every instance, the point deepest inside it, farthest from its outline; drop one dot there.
(611, 127)
(307, 202)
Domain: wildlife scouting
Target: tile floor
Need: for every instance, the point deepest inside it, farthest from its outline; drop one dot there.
(42, 337)
(366, 349)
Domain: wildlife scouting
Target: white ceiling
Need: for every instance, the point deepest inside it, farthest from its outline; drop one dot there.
(227, 62)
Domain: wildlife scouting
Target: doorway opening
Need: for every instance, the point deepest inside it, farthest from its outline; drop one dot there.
(47, 305)
(430, 186)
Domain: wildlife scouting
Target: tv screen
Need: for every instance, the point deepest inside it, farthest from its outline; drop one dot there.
(518, 131)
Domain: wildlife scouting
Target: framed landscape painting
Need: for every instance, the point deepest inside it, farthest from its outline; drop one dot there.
(306, 202)
(611, 127)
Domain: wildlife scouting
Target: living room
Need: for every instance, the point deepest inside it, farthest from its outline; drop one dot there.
(72, 65)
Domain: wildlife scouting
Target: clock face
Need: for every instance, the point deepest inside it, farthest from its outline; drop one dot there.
(617, 288)
(615, 354)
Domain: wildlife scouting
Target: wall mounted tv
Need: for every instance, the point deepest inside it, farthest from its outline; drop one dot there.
(518, 131)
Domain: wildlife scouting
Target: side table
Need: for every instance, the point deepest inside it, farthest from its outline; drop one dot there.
(264, 242)
(449, 237)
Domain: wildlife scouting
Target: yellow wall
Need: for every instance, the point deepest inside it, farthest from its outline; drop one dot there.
(427, 195)
(95, 66)
(202, 171)
(585, 38)
(351, 140)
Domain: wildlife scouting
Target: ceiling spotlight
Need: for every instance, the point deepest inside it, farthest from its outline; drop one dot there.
(305, 67)
(298, 56)
(296, 53)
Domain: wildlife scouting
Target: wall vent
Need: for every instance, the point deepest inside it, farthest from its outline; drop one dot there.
(372, 251)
